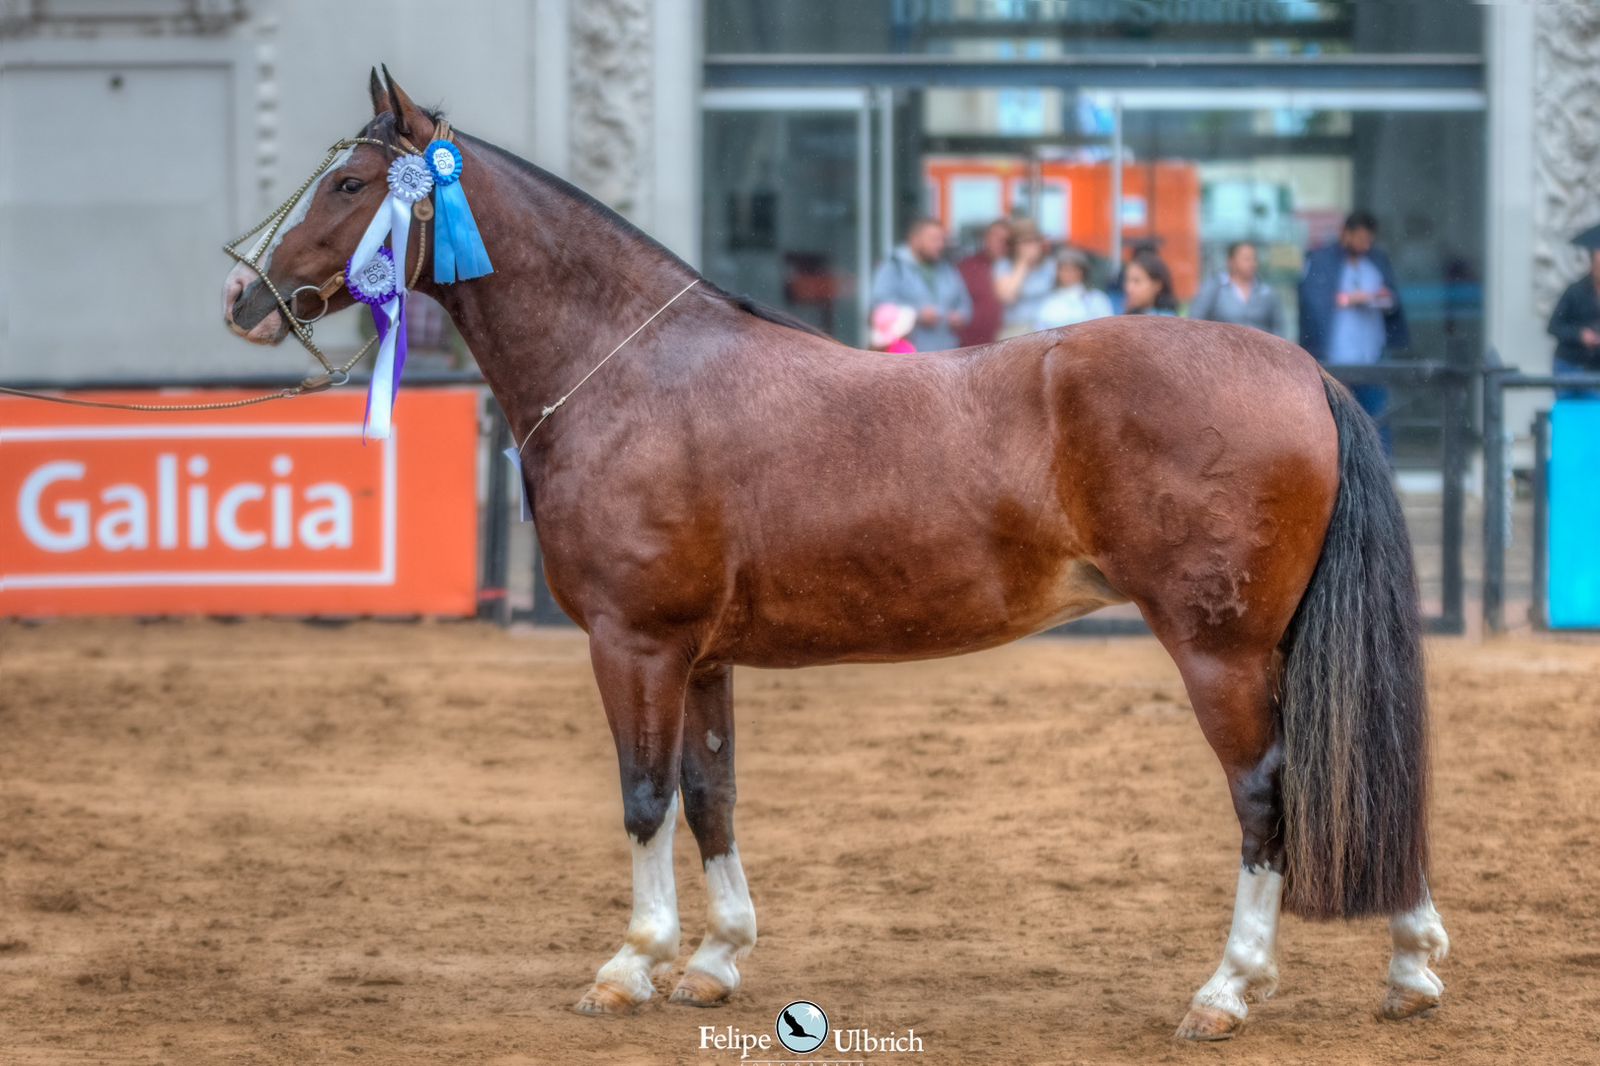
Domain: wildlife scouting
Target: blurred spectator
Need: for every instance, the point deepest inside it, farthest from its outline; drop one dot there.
(1152, 245)
(1023, 281)
(1238, 295)
(1350, 308)
(978, 270)
(1575, 324)
(1073, 300)
(891, 323)
(917, 275)
(1147, 286)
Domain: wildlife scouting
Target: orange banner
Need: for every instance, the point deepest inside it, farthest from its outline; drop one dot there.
(274, 509)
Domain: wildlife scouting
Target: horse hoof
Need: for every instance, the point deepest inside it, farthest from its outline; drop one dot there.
(1209, 1023)
(604, 998)
(700, 990)
(1402, 1003)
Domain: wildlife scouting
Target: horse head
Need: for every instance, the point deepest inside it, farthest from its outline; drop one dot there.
(321, 226)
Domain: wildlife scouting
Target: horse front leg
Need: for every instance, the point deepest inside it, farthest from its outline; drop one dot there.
(708, 798)
(642, 685)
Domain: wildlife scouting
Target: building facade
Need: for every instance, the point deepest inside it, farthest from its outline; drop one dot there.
(781, 146)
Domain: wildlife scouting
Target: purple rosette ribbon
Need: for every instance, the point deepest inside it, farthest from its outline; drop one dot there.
(376, 283)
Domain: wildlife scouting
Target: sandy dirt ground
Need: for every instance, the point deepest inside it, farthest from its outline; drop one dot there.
(271, 843)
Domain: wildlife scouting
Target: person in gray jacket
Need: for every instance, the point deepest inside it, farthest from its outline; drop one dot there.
(1238, 294)
(918, 276)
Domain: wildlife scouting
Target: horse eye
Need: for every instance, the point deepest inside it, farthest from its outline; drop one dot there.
(351, 185)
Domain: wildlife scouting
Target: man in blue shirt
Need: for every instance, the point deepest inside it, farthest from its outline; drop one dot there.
(1350, 307)
(917, 276)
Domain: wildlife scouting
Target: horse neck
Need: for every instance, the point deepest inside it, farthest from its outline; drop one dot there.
(571, 279)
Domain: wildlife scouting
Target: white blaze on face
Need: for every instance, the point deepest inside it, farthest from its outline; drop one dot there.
(730, 921)
(653, 931)
(297, 214)
(1249, 968)
(1419, 939)
(241, 277)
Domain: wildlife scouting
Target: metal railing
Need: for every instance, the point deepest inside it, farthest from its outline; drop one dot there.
(1498, 490)
(1452, 384)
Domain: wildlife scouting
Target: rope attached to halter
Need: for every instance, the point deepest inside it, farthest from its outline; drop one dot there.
(409, 173)
(545, 414)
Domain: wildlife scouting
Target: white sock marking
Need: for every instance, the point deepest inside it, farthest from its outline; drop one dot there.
(1249, 969)
(1419, 938)
(653, 930)
(730, 920)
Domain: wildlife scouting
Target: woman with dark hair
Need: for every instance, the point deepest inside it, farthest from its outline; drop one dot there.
(1238, 295)
(1147, 286)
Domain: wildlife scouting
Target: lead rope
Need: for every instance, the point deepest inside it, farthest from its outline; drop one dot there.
(551, 409)
(331, 378)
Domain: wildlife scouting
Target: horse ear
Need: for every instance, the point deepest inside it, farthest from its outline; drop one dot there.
(409, 119)
(380, 98)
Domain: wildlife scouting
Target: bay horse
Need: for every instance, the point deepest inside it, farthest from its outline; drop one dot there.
(736, 488)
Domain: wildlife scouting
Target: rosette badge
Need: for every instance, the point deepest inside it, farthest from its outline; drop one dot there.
(458, 251)
(376, 281)
(410, 179)
(444, 159)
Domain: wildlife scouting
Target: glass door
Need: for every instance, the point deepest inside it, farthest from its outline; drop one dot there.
(787, 209)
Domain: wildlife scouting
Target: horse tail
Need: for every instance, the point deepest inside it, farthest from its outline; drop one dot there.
(1353, 704)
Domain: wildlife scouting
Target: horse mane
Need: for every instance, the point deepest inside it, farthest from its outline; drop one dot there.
(382, 128)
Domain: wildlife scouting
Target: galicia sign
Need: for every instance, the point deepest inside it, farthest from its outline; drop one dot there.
(274, 509)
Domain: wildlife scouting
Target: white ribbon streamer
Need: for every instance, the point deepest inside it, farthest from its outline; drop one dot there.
(393, 217)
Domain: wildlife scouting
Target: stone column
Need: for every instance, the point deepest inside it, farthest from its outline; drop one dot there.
(634, 78)
(1567, 142)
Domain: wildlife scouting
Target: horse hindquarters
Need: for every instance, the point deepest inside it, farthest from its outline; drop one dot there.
(1323, 741)
(1254, 523)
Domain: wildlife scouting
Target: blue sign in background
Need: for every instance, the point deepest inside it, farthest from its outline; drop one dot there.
(1575, 514)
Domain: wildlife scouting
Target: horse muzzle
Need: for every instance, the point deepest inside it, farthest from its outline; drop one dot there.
(249, 309)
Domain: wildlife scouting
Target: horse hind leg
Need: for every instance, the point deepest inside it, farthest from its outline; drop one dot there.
(708, 797)
(1232, 698)
(1419, 941)
(643, 692)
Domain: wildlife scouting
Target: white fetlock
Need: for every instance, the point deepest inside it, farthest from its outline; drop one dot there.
(1249, 969)
(1419, 939)
(730, 923)
(652, 940)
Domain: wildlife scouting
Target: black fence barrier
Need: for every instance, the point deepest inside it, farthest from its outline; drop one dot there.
(1449, 384)
(1498, 490)
(1450, 387)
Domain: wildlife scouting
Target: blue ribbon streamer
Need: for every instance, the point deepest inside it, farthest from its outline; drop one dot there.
(458, 252)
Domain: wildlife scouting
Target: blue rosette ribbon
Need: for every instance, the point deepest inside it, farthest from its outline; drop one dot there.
(458, 251)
